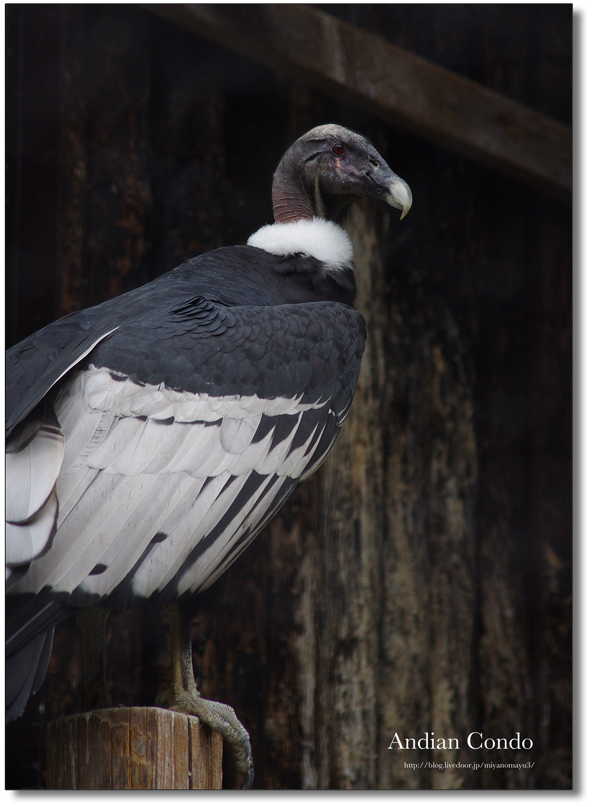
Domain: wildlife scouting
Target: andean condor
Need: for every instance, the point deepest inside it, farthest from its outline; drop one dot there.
(150, 438)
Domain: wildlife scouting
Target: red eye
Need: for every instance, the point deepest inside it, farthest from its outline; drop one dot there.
(339, 150)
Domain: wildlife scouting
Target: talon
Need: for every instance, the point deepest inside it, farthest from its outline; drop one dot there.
(221, 718)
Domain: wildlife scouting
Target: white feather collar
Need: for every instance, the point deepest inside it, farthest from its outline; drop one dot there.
(324, 240)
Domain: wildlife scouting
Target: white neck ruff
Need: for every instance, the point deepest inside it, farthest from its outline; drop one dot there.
(318, 238)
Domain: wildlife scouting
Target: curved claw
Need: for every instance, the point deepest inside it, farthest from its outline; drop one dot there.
(249, 781)
(220, 717)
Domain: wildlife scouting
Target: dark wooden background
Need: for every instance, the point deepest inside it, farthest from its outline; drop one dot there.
(421, 581)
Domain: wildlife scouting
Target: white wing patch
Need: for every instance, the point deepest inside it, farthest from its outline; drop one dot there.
(34, 456)
(197, 576)
(157, 487)
(25, 542)
(124, 397)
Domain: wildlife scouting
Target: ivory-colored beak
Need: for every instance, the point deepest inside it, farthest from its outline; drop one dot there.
(399, 195)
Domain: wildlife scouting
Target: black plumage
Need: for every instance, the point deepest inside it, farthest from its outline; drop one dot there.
(150, 438)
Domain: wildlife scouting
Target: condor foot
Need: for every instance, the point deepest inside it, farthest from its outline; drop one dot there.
(220, 718)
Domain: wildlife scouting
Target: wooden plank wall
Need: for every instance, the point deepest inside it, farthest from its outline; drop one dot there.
(392, 83)
(422, 580)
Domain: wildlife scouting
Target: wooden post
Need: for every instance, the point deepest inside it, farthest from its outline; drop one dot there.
(142, 748)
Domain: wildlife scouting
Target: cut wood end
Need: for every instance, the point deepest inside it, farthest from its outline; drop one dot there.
(140, 748)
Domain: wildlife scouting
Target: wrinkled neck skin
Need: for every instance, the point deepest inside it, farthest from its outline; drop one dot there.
(290, 204)
(295, 198)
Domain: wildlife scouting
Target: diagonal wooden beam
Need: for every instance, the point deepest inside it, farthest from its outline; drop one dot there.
(368, 72)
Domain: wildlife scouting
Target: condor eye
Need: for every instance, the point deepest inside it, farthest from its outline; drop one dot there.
(338, 150)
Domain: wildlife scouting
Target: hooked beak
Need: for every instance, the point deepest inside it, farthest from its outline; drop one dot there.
(390, 188)
(399, 195)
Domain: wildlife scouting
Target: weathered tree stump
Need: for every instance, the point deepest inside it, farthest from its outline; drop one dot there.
(143, 748)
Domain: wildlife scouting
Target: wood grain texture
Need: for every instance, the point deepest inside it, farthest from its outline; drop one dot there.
(382, 79)
(133, 749)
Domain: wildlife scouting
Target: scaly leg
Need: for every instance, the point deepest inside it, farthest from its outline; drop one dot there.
(182, 696)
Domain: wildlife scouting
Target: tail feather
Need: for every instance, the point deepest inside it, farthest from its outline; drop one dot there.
(43, 662)
(29, 635)
(25, 673)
